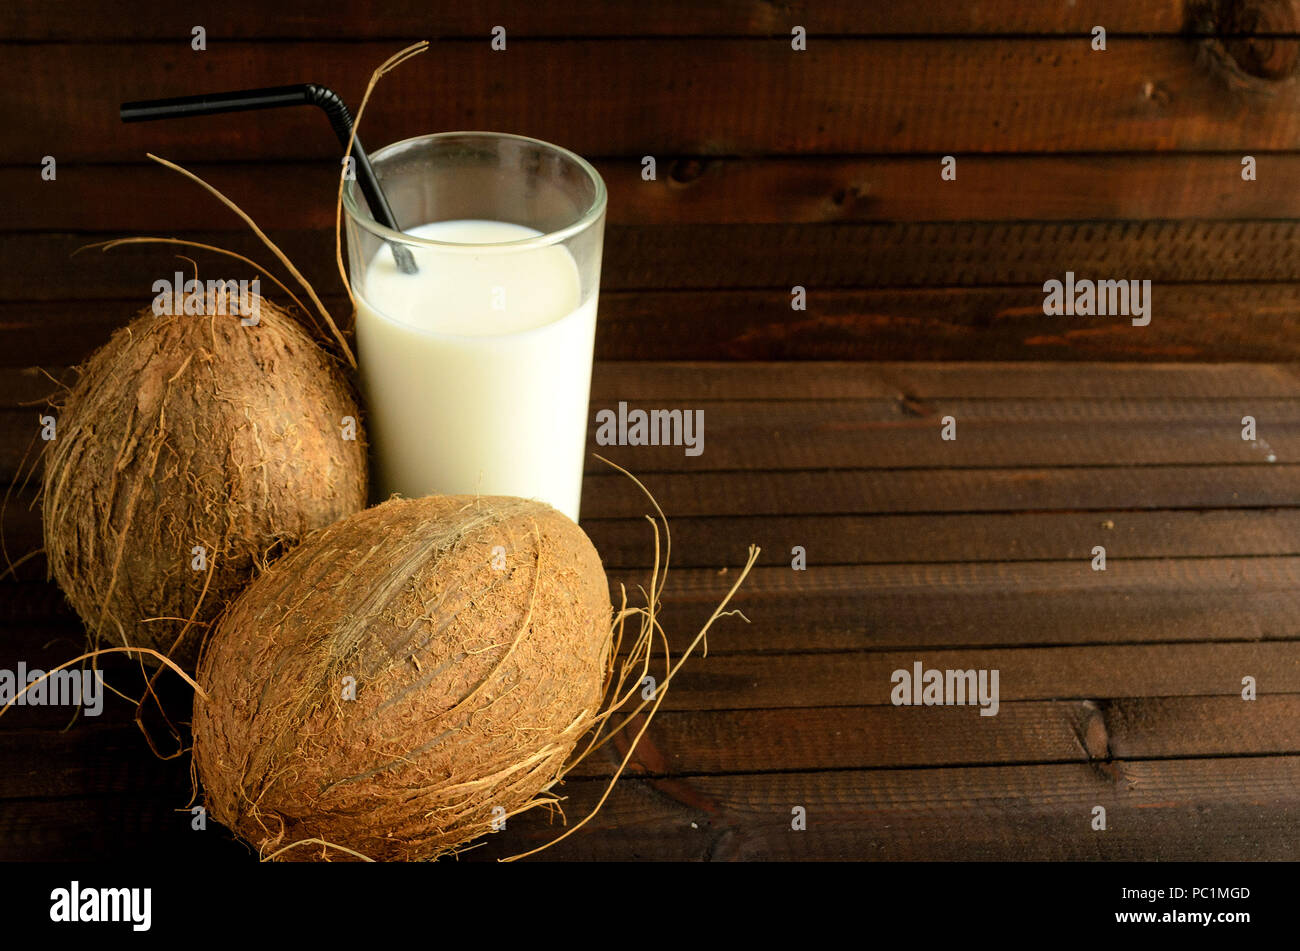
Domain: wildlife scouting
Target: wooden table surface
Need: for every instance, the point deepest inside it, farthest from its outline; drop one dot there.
(1119, 688)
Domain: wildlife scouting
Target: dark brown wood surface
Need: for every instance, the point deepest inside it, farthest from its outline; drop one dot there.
(778, 168)
(1119, 688)
(775, 168)
(707, 96)
(249, 19)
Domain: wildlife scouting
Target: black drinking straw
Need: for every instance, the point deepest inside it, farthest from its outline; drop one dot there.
(274, 97)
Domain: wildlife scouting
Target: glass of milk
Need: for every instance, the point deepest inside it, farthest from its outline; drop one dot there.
(476, 362)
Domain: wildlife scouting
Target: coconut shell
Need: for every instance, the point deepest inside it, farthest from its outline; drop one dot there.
(403, 678)
(187, 432)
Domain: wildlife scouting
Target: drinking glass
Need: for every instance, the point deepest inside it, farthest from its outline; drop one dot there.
(476, 323)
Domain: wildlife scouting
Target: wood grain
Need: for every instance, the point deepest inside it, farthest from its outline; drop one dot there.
(1189, 810)
(942, 490)
(817, 738)
(102, 759)
(817, 257)
(1119, 688)
(860, 678)
(1191, 323)
(693, 97)
(827, 380)
(912, 380)
(778, 190)
(740, 671)
(931, 491)
(908, 539)
(885, 434)
(403, 19)
(898, 607)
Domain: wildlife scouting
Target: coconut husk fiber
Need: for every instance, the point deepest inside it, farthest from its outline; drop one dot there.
(475, 633)
(186, 431)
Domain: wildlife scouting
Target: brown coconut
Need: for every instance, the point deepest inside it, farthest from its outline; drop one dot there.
(476, 631)
(193, 431)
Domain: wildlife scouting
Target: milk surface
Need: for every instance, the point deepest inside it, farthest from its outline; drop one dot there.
(477, 369)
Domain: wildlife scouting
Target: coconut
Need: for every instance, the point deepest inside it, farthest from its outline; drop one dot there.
(404, 680)
(192, 448)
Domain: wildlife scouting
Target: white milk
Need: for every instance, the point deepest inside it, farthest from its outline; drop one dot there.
(477, 369)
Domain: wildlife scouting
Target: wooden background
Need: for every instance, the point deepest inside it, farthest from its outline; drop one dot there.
(776, 168)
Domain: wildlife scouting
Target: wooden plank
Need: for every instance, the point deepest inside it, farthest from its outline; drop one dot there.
(1192, 322)
(901, 547)
(714, 742)
(934, 491)
(1147, 629)
(95, 759)
(1173, 810)
(1215, 726)
(900, 607)
(625, 544)
(1195, 322)
(695, 97)
(22, 534)
(910, 539)
(28, 387)
(920, 380)
(1040, 187)
(745, 325)
(1190, 810)
(1189, 322)
(930, 491)
(86, 760)
(154, 825)
(818, 257)
(909, 515)
(111, 760)
(403, 19)
(856, 435)
(835, 435)
(24, 387)
(862, 434)
(843, 435)
(902, 430)
(863, 678)
(808, 190)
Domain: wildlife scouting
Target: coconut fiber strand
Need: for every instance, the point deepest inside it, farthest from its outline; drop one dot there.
(403, 678)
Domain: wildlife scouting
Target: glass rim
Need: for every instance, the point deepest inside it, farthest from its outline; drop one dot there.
(588, 218)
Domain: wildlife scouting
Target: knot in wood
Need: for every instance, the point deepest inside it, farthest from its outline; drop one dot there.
(1257, 39)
